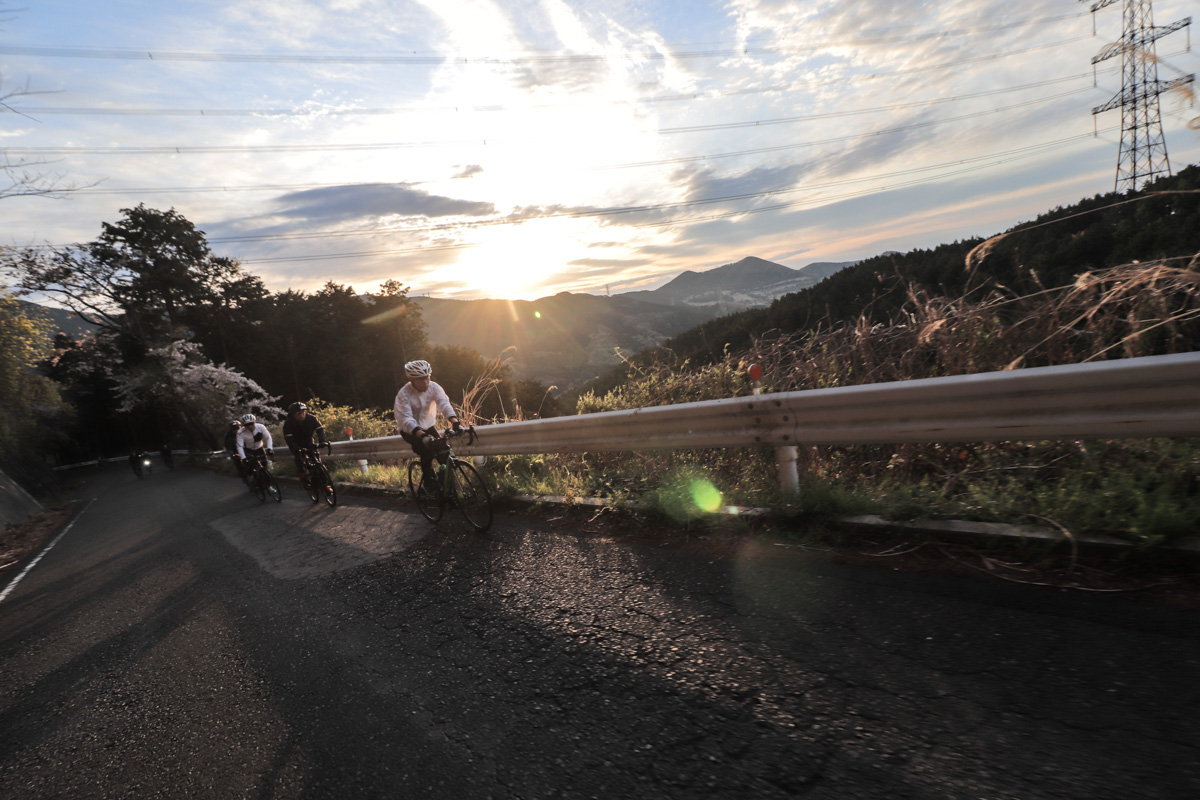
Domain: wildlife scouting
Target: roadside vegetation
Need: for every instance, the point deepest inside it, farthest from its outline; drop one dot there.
(1147, 491)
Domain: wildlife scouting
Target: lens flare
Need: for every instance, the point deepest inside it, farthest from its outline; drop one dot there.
(705, 495)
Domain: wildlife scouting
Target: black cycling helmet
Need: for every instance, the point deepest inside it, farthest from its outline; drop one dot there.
(294, 407)
(235, 424)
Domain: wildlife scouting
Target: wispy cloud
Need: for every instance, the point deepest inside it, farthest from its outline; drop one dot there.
(340, 203)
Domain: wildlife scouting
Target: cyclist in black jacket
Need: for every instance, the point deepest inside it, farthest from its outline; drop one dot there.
(298, 430)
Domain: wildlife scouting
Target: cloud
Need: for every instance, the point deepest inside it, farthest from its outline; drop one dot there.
(372, 201)
(705, 184)
(596, 264)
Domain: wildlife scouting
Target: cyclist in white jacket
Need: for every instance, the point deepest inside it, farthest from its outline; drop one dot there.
(254, 439)
(417, 405)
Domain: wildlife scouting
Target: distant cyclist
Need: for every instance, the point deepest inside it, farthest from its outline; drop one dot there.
(254, 440)
(298, 430)
(417, 405)
(231, 447)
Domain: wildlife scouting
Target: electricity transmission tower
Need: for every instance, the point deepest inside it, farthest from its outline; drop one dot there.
(1143, 153)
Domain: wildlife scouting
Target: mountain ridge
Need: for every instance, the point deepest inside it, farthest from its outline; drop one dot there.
(569, 338)
(747, 283)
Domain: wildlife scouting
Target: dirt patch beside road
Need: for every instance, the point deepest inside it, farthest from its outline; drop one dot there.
(21, 539)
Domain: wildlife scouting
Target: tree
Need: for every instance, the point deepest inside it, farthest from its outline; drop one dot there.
(33, 411)
(151, 284)
(396, 331)
(343, 347)
(145, 279)
(183, 388)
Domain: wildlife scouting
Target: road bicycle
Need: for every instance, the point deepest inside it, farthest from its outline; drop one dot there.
(454, 484)
(315, 477)
(262, 482)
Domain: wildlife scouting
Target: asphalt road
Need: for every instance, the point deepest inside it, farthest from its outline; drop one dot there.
(184, 640)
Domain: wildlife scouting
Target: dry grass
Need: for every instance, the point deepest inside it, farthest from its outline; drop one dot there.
(1131, 310)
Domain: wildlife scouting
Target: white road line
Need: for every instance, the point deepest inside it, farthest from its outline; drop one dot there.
(8, 589)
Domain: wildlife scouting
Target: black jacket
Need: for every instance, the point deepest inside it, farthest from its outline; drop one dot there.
(299, 435)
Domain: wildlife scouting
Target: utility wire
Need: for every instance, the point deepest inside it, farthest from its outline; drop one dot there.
(635, 164)
(1028, 150)
(329, 112)
(689, 221)
(101, 111)
(419, 58)
(305, 148)
(993, 159)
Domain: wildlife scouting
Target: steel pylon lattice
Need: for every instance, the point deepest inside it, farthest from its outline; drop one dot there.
(1143, 153)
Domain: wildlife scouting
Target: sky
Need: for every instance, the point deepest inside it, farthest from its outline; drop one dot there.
(519, 148)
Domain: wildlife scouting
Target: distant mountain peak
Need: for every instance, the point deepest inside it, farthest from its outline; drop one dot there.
(742, 284)
(749, 273)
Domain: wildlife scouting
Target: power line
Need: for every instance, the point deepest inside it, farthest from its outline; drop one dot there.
(994, 158)
(691, 220)
(315, 112)
(1003, 157)
(300, 148)
(321, 112)
(1032, 150)
(417, 58)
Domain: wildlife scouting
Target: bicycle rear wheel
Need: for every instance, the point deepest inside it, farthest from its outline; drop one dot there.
(325, 486)
(473, 498)
(428, 498)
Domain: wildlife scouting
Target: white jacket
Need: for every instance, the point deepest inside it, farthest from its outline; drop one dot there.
(419, 409)
(246, 439)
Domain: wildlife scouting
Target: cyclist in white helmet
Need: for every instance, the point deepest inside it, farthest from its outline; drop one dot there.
(417, 405)
(254, 441)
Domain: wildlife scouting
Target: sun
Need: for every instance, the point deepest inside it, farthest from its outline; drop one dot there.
(518, 262)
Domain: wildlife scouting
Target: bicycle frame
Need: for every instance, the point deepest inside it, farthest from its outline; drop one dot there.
(310, 458)
(471, 497)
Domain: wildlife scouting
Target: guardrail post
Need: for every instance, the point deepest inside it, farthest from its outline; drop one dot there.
(789, 474)
(362, 462)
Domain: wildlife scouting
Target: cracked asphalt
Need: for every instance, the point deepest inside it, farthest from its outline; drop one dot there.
(184, 640)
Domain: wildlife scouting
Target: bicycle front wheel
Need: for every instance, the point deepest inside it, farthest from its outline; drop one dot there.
(325, 487)
(428, 498)
(472, 495)
(273, 489)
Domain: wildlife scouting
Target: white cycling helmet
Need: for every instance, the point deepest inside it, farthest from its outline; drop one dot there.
(248, 419)
(418, 369)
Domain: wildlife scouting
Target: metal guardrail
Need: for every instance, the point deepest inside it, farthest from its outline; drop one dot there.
(1125, 398)
(121, 459)
(1135, 397)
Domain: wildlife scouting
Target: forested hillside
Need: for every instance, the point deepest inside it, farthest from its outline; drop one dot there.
(1162, 222)
(566, 339)
(184, 339)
